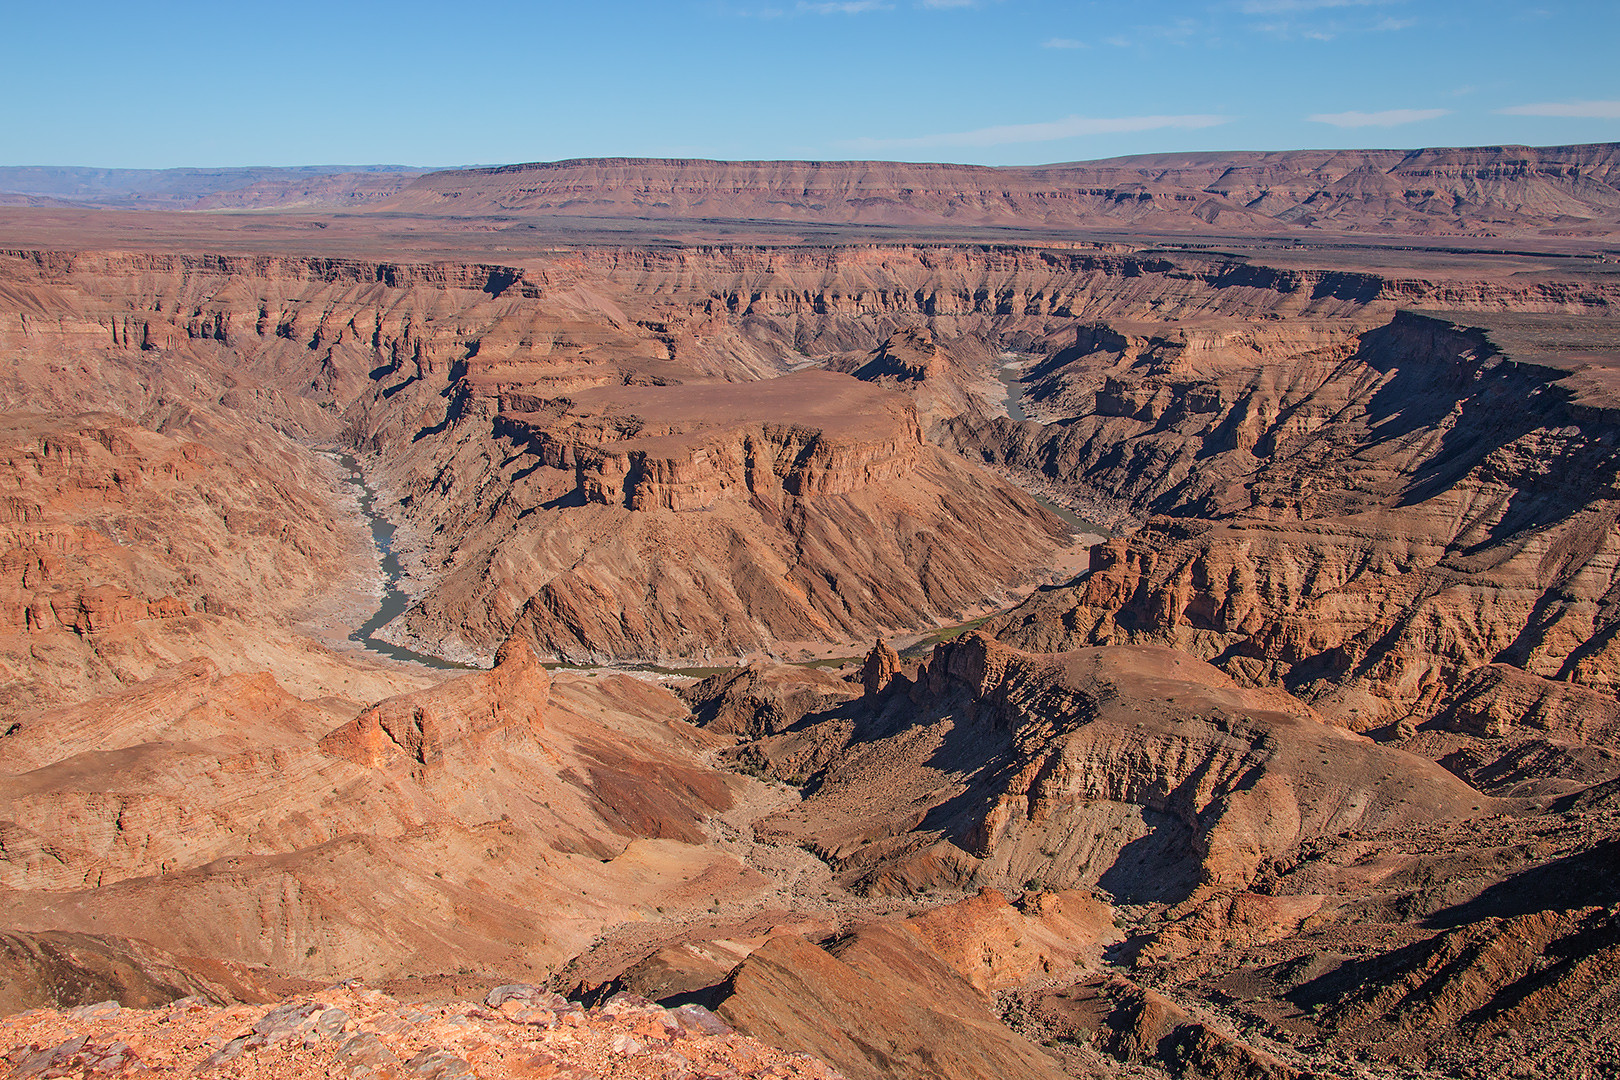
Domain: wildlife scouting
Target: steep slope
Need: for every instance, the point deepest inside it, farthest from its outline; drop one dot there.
(1365, 520)
(503, 411)
(1473, 949)
(875, 1005)
(806, 509)
(496, 819)
(56, 971)
(1138, 769)
(1296, 899)
(128, 551)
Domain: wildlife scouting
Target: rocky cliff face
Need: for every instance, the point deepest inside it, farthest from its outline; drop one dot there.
(1360, 520)
(1471, 191)
(121, 542)
(1364, 521)
(1137, 768)
(488, 368)
(681, 448)
(806, 508)
(588, 367)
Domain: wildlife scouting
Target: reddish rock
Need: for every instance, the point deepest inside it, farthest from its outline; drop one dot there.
(877, 1004)
(880, 666)
(351, 1030)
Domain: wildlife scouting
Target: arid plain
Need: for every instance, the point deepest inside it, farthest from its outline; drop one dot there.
(1153, 617)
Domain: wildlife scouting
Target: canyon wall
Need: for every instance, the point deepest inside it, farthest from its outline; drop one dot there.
(456, 378)
(1367, 519)
(1330, 721)
(1473, 191)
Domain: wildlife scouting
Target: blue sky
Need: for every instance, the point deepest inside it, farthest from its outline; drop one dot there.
(989, 81)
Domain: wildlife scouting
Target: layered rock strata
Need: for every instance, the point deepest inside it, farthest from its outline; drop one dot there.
(501, 818)
(712, 520)
(1432, 191)
(1364, 522)
(124, 551)
(1136, 768)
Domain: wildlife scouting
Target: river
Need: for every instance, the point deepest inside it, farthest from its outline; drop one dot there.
(1011, 374)
(393, 602)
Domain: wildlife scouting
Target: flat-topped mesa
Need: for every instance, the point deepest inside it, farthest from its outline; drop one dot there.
(57, 267)
(681, 447)
(1436, 191)
(911, 356)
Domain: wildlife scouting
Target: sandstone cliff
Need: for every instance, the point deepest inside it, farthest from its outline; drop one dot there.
(1469, 191)
(1364, 520)
(1139, 769)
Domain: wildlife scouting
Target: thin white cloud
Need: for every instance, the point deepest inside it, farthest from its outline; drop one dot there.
(1581, 110)
(1387, 118)
(1069, 127)
(1063, 43)
(1179, 31)
(944, 5)
(1321, 20)
(843, 7)
(1286, 7)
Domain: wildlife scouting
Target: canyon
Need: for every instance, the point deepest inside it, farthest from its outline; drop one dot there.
(775, 681)
(1469, 191)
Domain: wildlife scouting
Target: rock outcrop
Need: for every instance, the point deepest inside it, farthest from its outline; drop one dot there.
(1364, 523)
(763, 699)
(876, 1004)
(996, 944)
(1133, 1025)
(107, 524)
(1481, 946)
(803, 509)
(1137, 768)
(879, 668)
(518, 1032)
(501, 818)
(54, 970)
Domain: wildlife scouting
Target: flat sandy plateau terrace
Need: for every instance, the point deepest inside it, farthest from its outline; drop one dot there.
(818, 399)
(516, 239)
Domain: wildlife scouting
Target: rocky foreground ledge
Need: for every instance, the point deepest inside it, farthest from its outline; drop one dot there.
(518, 1032)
